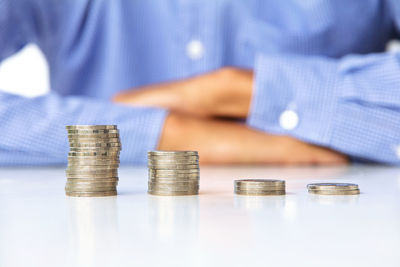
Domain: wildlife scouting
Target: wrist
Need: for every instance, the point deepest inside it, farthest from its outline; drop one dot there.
(234, 92)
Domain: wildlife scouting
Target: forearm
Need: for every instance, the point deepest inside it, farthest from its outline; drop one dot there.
(34, 132)
(222, 93)
(224, 142)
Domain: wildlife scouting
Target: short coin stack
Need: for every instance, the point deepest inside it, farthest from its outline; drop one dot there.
(333, 189)
(93, 160)
(259, 187)
(173, 173)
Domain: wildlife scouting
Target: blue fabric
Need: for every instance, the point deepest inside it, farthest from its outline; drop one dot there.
(324, 59)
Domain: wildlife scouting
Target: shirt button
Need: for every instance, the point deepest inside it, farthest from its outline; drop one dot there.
(289, 120)
(195, 49)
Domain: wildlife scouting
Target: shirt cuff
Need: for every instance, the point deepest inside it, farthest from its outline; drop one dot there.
(295, 95)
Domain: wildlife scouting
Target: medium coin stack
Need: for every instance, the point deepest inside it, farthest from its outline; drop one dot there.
(173, 173)
(333, 189)
(259, 187)
(93, 160)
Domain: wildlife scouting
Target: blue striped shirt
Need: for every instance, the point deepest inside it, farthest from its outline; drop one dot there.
(322, 60)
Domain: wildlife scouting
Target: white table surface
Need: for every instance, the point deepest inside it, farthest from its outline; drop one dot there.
(40, 226)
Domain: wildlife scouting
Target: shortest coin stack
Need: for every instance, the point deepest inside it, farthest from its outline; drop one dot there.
(173, 173)
(333, 189)
(93, 160)
(259, 187)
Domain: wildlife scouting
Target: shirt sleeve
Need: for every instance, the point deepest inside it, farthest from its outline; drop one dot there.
(33, 129)
(351, 105)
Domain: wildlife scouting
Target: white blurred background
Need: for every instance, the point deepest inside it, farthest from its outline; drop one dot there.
(26, 73)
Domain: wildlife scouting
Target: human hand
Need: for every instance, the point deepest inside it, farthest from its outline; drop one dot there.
(227, 142)
(226, 92)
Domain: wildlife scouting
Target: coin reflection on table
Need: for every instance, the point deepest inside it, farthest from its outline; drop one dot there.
(333, 199)
(93, 230)
(169, 215)
(253, 203)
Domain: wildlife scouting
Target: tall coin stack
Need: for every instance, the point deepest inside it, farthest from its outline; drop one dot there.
(173, 173)
(259, 187)
(333, 189)
(93, 160)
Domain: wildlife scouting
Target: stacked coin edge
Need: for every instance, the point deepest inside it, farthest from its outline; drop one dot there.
(333, 189)
(173, 173)
(93, 160)
(259, 187)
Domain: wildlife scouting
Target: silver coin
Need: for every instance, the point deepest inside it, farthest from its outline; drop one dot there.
(335, 192)
(174, 167)
(98, 135)
(98, 166)
(102, 173)
(93, 160)
(173, 184)
(93, 166)
(91, 194)
(332, 186)
(92, 183)
(89, 168)
(172, 162)
(94, 149)
(96, 172)
(76, 158)
(173, 157)
(174, 179)
(83, 183)
(161, 152)
(93, 169)
(260, 193)
(89, 189)
(260, 187)
(90, 127)
(190, 190)
(159, 172)
(93, 140)
(93, 163)
(92, 180)
(176, 189)
(99, 176)
(95, 144)
(259, 181)
(107, 153)
(162, 193)
(93, 131)
(259, 190)
(272, 187)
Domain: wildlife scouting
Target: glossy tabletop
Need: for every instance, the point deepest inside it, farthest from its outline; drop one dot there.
(40, 226)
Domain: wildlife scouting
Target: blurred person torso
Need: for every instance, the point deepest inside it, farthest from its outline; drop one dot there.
(97, 48)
